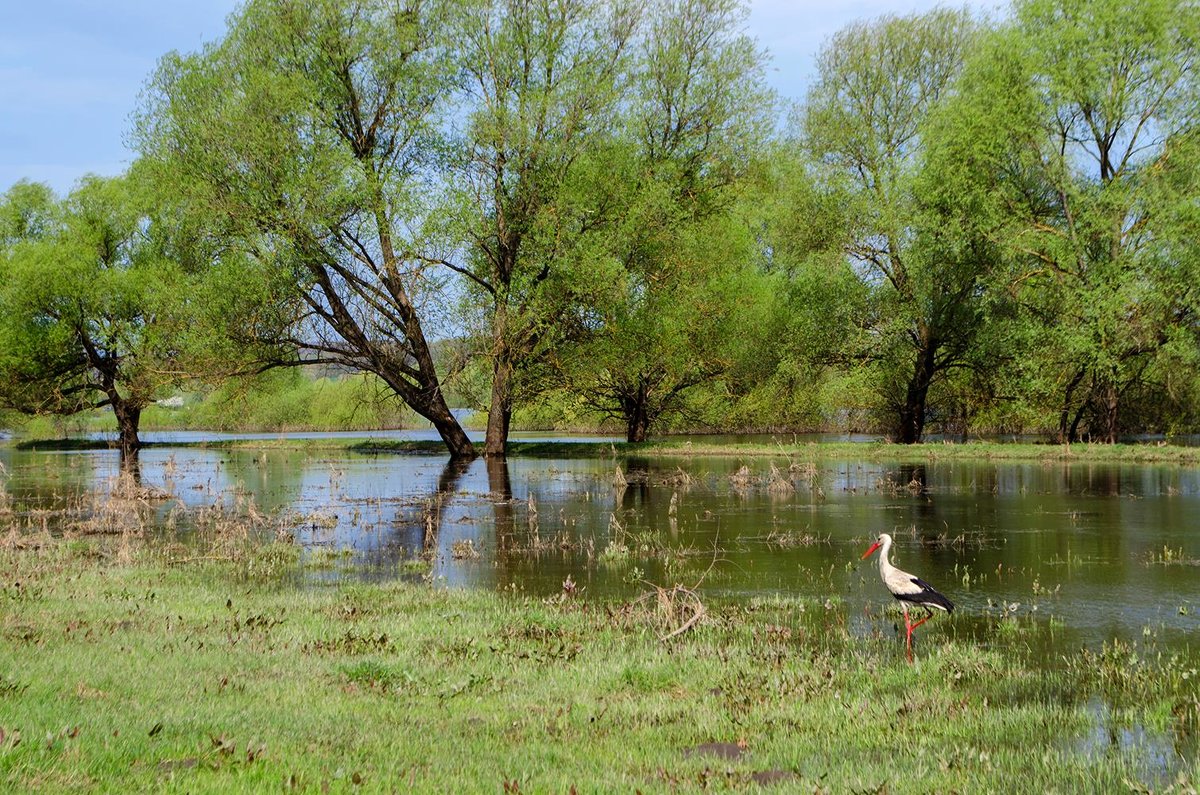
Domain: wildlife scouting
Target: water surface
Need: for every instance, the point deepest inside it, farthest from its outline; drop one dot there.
(1093, 551)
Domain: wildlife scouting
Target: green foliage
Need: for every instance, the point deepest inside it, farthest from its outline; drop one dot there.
(91, 310)
(562, 215)
(539, 90)
(668, 319)
(297, 140)
(1100, 97)
(288, 400)
(558, 410)
(29, 212)
(867, 127)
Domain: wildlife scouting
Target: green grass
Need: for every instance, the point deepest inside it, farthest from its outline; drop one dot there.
(274, 402)
(122, 672)
(682, 448)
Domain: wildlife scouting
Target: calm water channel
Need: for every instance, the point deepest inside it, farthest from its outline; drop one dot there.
(1089, 552)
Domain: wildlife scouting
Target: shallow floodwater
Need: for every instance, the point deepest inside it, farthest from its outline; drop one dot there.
(1091, 552)
(1044, 557)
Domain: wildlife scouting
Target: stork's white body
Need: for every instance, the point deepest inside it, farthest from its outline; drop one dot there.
(904, 586)
(907, 588)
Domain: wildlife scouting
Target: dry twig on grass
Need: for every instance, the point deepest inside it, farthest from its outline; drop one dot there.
(678, 608)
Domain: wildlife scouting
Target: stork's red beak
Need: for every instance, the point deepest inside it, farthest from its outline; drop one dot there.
(874, 547)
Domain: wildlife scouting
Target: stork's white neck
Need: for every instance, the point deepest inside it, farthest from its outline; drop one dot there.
(885, 565)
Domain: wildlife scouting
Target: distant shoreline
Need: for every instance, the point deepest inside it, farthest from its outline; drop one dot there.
(684, 448)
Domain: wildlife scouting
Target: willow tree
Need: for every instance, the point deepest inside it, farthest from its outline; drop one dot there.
(90, 309)
(540, 83)
(696, 117)
(1109, 102)
(302, 138)
(1170, 393)
(863, 123)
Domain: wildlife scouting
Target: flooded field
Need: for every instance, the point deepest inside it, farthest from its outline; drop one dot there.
(1091, 553)
(1083, 573)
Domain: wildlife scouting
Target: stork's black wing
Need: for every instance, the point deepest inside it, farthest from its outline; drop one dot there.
(928, 595)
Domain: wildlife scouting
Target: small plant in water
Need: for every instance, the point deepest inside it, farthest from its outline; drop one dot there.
(795, 538)
(327, 557)
(419, 565)
(1041, 590)
(464, 549)
(615, 553)
(1168, 556)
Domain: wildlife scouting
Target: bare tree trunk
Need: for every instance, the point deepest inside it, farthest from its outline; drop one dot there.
(912, 413)
(128, 417)
(1073, 432)
(500, 409)
(638, 428)
(637, 416)
(1109, 400)
(1066, 429)
(429, 402)
(455, 438)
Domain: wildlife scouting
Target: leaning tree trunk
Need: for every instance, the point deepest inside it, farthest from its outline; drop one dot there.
(1067, 428)
(429, 401)
(453, 436)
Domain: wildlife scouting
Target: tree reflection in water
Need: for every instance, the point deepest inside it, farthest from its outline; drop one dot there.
(435, 506)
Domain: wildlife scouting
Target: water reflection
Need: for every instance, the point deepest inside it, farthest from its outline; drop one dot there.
(1087, 552)
(500, 493)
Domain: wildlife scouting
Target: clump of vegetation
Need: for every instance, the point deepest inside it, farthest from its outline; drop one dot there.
(287, 401)
(464, 549)
(1170, 556)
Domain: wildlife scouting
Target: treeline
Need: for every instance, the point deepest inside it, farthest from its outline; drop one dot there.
(274, 401)
(590, 208)
(284, 400)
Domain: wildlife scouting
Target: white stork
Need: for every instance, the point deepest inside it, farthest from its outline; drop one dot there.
(907, 588)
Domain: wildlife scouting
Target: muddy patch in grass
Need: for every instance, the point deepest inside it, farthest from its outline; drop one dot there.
(730, 751)
(766, 778)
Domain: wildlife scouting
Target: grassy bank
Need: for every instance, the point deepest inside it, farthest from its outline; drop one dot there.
(134, 666)
(683, 448)
(276, 401)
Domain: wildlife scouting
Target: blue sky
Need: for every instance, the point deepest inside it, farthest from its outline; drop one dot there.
(71, 70)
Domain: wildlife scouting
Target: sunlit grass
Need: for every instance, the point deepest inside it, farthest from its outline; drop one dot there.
(122, 669)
